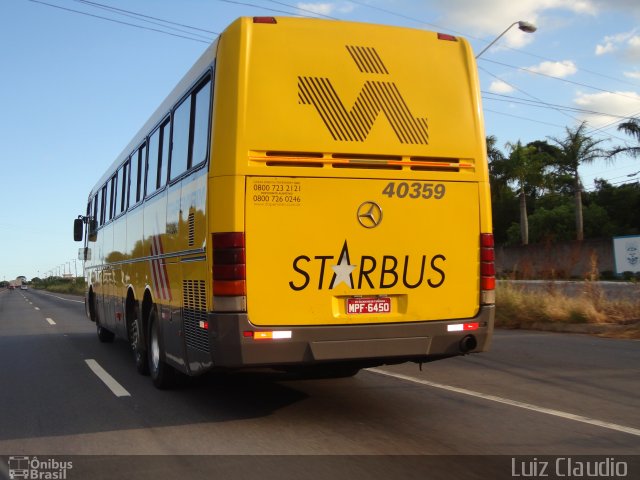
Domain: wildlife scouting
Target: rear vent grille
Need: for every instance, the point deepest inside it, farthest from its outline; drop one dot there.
(371, 162)
(430, 164)
(294, 159)
(194, 314)
(363, 161)
(192, 229)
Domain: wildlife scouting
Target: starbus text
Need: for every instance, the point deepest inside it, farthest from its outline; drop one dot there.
(369, 272)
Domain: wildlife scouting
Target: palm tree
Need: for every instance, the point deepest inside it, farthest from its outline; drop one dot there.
(493, 152)
(577, 149)
(524, 168)
(632, 128)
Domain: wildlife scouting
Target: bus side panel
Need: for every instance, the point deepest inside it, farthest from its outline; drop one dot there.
(120, 280)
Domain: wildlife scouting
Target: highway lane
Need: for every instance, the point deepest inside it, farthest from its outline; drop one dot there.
(583, 390)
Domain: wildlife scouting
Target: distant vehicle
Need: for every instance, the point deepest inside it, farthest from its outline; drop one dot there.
(23, 287)
(11, 287)
(243, 225)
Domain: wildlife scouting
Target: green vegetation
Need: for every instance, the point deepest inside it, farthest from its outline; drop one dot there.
(72, 286)
(538, 196)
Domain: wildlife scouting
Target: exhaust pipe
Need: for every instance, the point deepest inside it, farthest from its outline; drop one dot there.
(468, 343)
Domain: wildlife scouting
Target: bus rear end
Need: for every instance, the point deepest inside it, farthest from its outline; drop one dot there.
(362, 227)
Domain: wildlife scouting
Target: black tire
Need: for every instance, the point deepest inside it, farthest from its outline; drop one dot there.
(136, 341)
(104, 335)
(163, 376)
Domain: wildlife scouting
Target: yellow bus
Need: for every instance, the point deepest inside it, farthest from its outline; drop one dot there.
(313, 195)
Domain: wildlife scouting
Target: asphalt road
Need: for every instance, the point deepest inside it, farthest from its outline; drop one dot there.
(534, 395)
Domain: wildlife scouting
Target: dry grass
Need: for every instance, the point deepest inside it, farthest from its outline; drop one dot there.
(520, 307)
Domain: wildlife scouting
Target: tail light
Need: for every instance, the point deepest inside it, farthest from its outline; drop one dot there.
(264, 20)
(444, 36)
(229, 272)
(487, 270)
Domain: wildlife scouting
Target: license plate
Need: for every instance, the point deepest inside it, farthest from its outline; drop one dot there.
(368, 305)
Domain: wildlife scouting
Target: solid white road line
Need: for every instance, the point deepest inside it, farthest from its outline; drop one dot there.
(61, 298)
(51, 322)
(117, 389)
(513, 403)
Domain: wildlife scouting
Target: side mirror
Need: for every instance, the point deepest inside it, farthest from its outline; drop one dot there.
(78, 226)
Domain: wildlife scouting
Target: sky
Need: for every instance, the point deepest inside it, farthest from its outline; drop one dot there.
(79, 78)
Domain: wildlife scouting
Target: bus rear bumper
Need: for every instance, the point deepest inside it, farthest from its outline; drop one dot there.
(372, 344)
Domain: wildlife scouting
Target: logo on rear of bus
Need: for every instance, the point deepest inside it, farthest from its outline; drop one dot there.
(354, 124)
(328, 271)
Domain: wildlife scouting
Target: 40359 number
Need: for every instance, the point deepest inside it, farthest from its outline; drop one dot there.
(427, 191)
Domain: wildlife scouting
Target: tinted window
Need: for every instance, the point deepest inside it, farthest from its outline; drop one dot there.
(123, 184)
(201, 124)
(180, 149)
(164, 152)
(103, 195)
(135, 179)
(107, 204)
(96, 208)
(113, 211)
(138, 160)
(152, 163)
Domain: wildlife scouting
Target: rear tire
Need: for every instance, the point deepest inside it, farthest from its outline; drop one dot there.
(163, 376)
(136, 341)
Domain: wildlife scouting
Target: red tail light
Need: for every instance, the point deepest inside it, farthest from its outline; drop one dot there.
(487, 269)
(445, 36)
(229, 269)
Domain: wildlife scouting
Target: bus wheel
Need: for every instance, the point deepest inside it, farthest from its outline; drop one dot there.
(104, 335)
(137, 345)
(162, 375)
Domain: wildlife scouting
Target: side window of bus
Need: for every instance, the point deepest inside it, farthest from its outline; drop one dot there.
(133, 184)
(138, 159)
(191, 130)
(152, 164)
(165, 137)
(107, 203)
(96, 208)
(121, 206)
(103, 196)
(180, 139)
(113, 211)
(201, 124)
(143, 162)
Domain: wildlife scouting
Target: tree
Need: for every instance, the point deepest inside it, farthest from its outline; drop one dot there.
(631, 128)
(503, 200)
(525, 168)
(493, 152)
(622, 204)
(577, 149)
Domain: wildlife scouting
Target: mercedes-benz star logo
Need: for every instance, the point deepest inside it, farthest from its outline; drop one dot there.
(369, 214)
